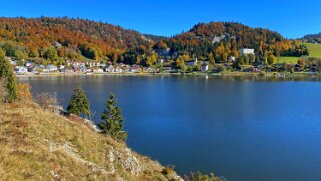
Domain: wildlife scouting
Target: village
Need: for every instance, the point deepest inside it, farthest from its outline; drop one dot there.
(79, 67)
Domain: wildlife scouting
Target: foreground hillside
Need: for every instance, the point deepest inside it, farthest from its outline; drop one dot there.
(38, 145)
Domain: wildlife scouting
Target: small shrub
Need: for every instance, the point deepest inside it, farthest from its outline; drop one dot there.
(79, 103)
(201, 177)
(45, 100)
(23, 92)
(168, 171)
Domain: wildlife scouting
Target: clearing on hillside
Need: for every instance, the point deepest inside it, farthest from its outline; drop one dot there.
(314, 50)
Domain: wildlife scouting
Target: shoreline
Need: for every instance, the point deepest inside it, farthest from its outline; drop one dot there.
(231, 74)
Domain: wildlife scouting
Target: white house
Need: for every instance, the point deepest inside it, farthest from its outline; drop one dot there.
(102, 64)
(28, 64)
(109, 68)
(118, 70)
(13, 62)
(20, 69)
(82, 68)
(149, 70)
(246, 51)
(204, 67)
(98, 70)
(192, 63)
(161, 61)
(51, 68)
(231, 58)
(134, 69)
(61, 67)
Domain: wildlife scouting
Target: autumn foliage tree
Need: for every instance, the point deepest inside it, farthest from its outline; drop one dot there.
(23, 92)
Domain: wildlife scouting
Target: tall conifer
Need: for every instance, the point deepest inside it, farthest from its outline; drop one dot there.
(112, 120)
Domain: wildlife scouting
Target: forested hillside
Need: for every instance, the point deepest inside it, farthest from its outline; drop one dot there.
(70, 38)
(224, 39)
(55, 40)
(312, 38)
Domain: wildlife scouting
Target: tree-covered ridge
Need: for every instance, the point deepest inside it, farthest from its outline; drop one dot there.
(73, 37)
(110, 34)
(224, 39)
(56, 40)
(312, 38)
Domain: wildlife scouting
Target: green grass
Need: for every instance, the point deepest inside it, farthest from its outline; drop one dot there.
(288, 59)
(314, 50)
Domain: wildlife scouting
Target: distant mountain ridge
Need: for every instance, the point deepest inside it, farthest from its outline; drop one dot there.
(312, 38)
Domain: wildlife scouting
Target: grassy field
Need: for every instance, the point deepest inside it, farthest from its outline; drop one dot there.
(314, 49)
(288, 59)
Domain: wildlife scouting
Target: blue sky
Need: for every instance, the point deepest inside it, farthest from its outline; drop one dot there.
(292, 18)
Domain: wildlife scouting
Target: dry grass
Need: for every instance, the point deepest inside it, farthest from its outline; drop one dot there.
(45, 100)
(3, 91)
(38, 145)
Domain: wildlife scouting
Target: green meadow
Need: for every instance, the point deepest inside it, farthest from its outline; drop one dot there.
(314, 50)
(288, 59)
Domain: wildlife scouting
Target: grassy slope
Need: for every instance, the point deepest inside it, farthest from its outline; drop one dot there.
(288, 59)
(314, 49)
(37, 145)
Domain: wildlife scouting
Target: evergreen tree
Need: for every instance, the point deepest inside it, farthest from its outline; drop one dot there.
(112, 120)
(6, 73)
(79, 104)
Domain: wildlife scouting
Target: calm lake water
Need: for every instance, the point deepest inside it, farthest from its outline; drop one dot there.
(243, 129)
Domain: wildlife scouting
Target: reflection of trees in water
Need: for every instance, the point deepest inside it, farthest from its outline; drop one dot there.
(271, 77)
(276, 78)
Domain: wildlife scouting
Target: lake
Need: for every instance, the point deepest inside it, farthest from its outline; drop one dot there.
(239, 128)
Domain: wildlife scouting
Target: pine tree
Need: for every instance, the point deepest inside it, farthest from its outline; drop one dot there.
(6, 73)
(112, 120)
(79, 104)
